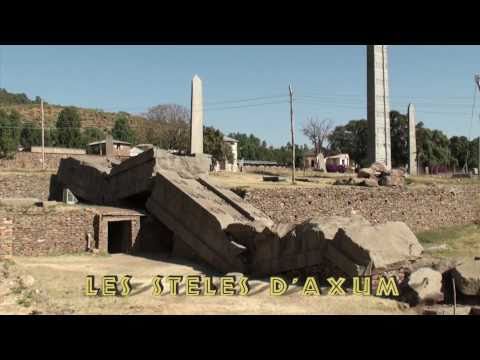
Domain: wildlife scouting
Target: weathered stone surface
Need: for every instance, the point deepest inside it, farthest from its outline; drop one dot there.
(378, 168)
(378, 105)
(467, 277)
(426, 286)
(412, 142)
(86, 179)
(391, 180)
(369, 182)
(196, 121)
(27, 280)
(200, 213)
(366, 173)
(382, 245)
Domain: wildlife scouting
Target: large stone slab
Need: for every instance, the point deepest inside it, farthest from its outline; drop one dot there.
(200, 213)
(426, 286)
(294, 247)
(382, 245)
(88, 180)
(467, 277)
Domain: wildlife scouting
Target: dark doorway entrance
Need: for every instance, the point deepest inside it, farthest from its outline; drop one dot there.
(119, 236)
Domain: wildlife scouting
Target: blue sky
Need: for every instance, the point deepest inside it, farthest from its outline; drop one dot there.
(328, 81)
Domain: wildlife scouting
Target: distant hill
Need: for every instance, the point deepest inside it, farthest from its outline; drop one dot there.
(29, 110)
(7, 98)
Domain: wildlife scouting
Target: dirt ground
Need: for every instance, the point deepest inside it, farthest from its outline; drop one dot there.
(59, 288)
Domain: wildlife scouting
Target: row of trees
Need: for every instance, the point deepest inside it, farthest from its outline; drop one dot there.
(434, 148)
(251, 147)
(67, 132)
(167, 128)
(7, 98)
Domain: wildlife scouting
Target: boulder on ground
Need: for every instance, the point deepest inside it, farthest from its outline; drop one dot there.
(381, 245)
(467, 277)
(369, 182)
(27, 280)
(366, 173)
(391, 180)
(379, 168)
(425, 285)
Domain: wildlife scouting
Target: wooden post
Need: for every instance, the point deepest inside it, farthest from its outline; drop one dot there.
(454, 296)
(43, 135)
(293, 133)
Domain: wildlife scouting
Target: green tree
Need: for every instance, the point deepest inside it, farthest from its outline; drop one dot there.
(214, 145)
(399, 138)
(168, 127)
(68, 132)
(92, 134)
(30, 135)
(351, 139)
(459, 149)
(122, 131)
(9, 133)
(473, 157)
(7, 98)
(432, 146)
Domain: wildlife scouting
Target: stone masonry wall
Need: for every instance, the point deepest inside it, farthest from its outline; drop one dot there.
(425, 208)
(6, 235)
(43, 231)
(26, 160)
(25, 185)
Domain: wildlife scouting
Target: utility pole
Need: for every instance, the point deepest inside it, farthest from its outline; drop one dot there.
(293, 133)
(477, 80)
(43, 135)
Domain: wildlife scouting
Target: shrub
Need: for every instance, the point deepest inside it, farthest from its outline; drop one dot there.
(332, 168)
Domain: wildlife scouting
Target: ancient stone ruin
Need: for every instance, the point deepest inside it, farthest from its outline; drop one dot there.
(217, 227)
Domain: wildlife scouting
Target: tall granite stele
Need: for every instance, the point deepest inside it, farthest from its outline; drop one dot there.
(196, 119)
(379, 144)
(412, 142)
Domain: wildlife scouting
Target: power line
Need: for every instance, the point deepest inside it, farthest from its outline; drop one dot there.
(247, 100)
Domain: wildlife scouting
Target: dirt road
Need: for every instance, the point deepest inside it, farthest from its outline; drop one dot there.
(59, 288)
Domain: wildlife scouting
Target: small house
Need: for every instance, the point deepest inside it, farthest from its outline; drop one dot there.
(120, 148)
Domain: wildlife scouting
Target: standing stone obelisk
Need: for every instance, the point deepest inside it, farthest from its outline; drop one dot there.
(196, 119)
(412, 141)
(379, 145)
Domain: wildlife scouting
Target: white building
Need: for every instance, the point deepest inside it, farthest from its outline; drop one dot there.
(340, 159)
(226, 165)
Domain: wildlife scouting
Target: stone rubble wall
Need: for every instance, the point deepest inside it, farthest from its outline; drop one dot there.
(425, 208)
(40, 231)
(25, 185)
(25, 160)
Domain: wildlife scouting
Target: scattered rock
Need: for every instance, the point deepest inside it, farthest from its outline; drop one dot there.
(426, 286)
(369, 183)
(274, 178)
(391, 180)
(49, 204)
(27, 280)
(378, 168)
